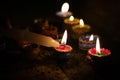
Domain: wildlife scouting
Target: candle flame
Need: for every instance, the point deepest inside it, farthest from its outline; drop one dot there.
(64, 38)
(71, 18)
(65, 7)
(98, 45)
(81, 22)
(91, 37)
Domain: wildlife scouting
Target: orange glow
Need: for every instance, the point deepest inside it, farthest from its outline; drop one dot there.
(65, 7)
(98, 45)
(64, 38)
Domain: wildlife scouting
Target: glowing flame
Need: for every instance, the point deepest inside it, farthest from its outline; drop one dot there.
(71, 18)
(91, 37)
(64, 38)
(81, 23)
(98, 45)
(65, 7)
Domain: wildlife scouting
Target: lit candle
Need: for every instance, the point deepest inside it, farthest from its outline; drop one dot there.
(87, 41)
(97, 51)
(63, 47)
(71, 20)
(64, 10)
(81, 27)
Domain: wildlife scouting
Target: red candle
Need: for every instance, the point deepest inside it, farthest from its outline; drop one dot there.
(63, 47)
(99, 52)
(103, 52)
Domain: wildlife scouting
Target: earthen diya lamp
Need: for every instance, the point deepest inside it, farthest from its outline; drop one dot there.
(97, 51)
(63, 47)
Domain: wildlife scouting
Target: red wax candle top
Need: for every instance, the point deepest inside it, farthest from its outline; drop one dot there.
(63, 48)
(103, 52)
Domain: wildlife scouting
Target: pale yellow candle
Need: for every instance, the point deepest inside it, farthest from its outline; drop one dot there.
(71, 20)
(81, 27)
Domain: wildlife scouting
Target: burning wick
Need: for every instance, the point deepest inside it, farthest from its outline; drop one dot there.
(63, 47)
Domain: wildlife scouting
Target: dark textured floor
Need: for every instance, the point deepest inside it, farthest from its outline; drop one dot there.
(102, 16)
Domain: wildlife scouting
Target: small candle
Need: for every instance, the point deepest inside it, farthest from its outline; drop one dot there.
(64, 10)
(87, 41)
(63, 47)
(71, 20)
(97, 51)
(69, 23)
(81, 27)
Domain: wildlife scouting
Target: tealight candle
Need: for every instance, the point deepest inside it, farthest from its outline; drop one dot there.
(81, 28)
(87, 41)
(71, 20)
(97, 51)
(63, 47)
(64, 10)
(69, 23)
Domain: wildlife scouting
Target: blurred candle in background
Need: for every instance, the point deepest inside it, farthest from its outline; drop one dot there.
(64, 10)
(80, 29)
(87, 41)
(81, 25)
(71, 20)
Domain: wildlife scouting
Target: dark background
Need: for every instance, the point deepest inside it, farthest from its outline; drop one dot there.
(102, 15)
